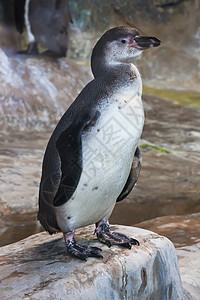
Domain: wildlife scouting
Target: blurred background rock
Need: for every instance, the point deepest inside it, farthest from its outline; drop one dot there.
(175, 22)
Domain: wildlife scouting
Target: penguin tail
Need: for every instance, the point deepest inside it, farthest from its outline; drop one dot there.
(49, 226)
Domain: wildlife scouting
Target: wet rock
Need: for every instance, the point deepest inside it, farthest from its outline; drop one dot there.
(20, 166)
(174, 64)
(181, 230)
(15, 227)
(184, 232)
(38, 267)
(36, 91)
(189, 263)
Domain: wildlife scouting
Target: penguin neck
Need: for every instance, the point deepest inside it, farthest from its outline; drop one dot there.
(102, 66)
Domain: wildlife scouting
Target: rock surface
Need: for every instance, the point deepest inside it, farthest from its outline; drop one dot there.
(39, 268)
(34, 97)
(189, 263)
(184, 232)
(181, 230)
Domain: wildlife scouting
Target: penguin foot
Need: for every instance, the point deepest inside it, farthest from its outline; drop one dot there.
(79, 251)
(32, 50)
(115, 238)
(83, 252)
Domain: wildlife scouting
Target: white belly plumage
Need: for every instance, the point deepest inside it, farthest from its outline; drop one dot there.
(108, 151)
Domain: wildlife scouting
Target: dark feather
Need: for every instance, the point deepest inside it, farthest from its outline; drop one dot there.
(19, 9)
(133, 176)
(58, 2)
(69, 146)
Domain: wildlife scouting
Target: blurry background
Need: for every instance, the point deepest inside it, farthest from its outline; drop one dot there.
(35, 92)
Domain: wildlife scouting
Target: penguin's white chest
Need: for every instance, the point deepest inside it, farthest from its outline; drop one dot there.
(108, 150)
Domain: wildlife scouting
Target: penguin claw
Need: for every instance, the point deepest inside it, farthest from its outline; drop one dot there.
(126, 238)
(79, 251)
(83, 252)
(114, 238)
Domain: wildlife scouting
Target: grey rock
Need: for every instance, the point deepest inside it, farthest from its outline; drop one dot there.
(183, 231)
(36, 91)
(39, 268)
(189, 263)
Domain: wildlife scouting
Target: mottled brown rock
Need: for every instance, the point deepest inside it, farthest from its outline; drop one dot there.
(181, 230)
(184, 232)
(39, 268)
(189, 263)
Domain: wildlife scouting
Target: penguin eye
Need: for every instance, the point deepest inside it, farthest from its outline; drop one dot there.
(123, 41)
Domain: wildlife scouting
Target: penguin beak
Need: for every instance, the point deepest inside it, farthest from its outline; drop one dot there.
(145, 42)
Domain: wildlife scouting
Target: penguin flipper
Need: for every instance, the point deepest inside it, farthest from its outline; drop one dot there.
(19, 8)
(69, 147)
(133, 176)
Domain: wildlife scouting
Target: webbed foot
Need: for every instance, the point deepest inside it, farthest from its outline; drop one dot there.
(79, 251)
(115, 238)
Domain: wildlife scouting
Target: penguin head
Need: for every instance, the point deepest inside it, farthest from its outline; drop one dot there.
(121, 45)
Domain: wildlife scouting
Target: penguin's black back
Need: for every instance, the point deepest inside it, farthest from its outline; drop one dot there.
(19, 9)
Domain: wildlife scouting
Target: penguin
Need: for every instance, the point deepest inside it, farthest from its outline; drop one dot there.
(46, 23)
(92, 159)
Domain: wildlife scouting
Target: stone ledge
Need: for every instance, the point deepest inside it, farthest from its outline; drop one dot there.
(39, 268)
(189, 262)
